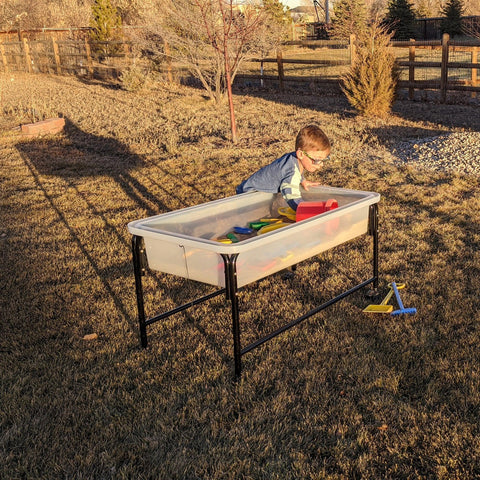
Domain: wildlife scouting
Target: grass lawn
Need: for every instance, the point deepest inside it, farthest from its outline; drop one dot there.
(346, 395)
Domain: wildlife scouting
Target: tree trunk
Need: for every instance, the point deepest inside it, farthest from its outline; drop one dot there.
(230, 100)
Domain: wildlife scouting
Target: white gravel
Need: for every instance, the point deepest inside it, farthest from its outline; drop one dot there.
(459, 152)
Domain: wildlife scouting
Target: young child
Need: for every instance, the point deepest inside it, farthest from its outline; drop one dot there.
(285, 174)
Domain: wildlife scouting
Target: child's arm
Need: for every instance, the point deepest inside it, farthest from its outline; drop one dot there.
(291, 193)
(306, 184)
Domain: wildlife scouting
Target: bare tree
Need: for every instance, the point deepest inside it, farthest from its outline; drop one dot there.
(69, 13)
(28, 14)
(21, 14)
(210, 38)
(229, 35)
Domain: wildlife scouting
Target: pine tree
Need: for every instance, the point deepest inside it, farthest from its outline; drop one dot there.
(105, 25)
(452, 23)
(276, 11)
(400, 19)
(350, 17)
(279, 20)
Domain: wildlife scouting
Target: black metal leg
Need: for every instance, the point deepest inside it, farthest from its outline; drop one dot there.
(375, 246)
(139, 269)
(230, 262)
(373, 230)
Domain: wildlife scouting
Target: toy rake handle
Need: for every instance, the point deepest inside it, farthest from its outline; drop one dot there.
(388, 296)
(399, 301)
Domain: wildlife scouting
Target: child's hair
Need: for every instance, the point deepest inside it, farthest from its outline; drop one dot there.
(312, 137)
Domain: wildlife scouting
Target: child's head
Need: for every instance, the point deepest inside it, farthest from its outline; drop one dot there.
(312, 146)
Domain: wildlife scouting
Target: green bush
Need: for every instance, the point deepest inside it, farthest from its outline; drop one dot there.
(370, 84)
(350, 17)
(400, 19)
(105, 24)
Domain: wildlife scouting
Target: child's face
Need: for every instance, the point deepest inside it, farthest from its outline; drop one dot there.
(312, 160)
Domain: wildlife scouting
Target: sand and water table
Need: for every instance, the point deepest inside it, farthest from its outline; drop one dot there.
(186, 243)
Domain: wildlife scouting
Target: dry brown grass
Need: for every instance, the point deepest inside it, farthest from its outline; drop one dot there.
(343, 396)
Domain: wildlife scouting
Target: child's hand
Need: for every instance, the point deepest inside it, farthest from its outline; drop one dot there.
(306, 184)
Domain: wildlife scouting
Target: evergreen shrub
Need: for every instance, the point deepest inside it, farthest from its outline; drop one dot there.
(370, 85)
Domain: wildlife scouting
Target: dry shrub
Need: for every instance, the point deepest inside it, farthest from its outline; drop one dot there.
(371, 82)
(134, 79)
(29, 14)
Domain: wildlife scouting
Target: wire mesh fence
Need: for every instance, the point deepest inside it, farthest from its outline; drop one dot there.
(435, 64)
(77, 57)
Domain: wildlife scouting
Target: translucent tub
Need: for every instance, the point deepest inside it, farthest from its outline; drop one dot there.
(183, 242)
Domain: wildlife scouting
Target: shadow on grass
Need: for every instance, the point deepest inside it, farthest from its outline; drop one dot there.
(330, 101)
(81, 157)
(391, 135)
(85, 156)
(451, 114)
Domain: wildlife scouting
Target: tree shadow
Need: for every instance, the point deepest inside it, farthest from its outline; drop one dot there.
(107, 83)
(457, 112)
(75, 158)
(329, 101)
(453, 114)
(87, 155)
(389, 136)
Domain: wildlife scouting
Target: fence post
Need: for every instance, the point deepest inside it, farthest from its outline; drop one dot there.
(444, 69)
(280, 68)
(474, 70)
(166, 49)
(88, 53)
(58, 66)
(411, 68)
(353, 52)
(127, 51)
(28, 58)
(4, 57)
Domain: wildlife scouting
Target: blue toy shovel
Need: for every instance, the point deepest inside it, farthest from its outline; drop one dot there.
(402, 309)
(383, 307)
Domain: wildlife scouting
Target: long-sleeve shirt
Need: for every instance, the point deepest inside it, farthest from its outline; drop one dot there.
(283, 175)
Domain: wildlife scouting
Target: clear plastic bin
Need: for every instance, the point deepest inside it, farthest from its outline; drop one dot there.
(183, 242)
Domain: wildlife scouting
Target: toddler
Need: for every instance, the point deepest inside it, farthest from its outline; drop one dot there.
(285, 174)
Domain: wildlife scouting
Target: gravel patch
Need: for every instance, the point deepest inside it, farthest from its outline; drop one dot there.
(452, 152)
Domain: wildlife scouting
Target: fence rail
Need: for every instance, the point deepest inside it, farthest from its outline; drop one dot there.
(80, 57)
(441, 74)
(444, 65)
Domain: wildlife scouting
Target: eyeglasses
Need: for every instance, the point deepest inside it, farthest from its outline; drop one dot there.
(315, 161)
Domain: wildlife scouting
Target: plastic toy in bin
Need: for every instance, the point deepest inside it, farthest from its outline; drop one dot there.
(310, 209)
(272, 227)
(287, 212)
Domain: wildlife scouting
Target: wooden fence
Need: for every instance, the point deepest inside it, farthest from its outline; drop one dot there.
(343, 51)
(437, 59)
(444, 81)
(78, 57)
(443, 72)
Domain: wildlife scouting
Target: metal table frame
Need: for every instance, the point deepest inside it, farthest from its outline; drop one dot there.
(231, 292)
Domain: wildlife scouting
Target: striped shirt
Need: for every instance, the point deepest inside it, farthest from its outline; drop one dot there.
(283, 175)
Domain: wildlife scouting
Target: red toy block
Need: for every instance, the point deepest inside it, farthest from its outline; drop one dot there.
(310, 209)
